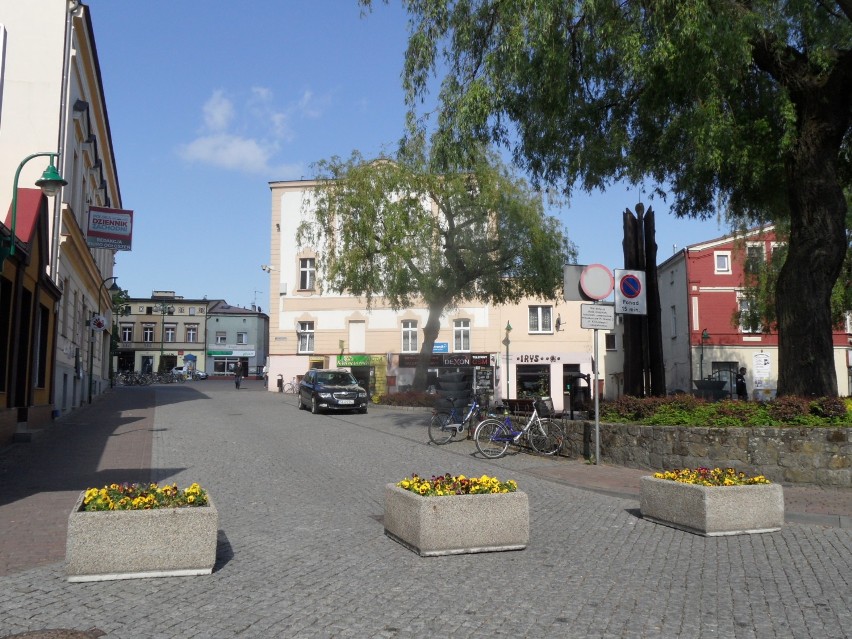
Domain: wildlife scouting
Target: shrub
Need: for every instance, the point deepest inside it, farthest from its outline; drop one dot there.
(830, 408)
(408, 398)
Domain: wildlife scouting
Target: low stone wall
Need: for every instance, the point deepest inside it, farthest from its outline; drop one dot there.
(819, 456)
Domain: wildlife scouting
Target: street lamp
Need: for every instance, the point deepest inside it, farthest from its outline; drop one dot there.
(112, 289)
(704, 337)
(506, 343)
(50, 182)
(163, 309)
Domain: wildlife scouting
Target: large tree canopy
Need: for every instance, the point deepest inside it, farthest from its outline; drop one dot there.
(401, 231)
(741, 106)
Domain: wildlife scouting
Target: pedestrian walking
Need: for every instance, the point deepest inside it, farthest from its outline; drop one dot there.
(742, 391)
(266, 375)
(238, 374)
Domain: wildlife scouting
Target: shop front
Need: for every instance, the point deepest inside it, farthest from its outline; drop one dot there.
(563, 377)
(478, 369)
(371, 371)
(225, 361)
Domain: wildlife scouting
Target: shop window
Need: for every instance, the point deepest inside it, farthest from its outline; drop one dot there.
(532, 381)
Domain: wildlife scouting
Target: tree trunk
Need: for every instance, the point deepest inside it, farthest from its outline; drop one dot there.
(814, 260)
(633, 329)
(652, 293)
(430, 334)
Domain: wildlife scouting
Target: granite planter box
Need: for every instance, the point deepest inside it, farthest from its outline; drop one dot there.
(130, 544)
(459, 524)
(713, 510)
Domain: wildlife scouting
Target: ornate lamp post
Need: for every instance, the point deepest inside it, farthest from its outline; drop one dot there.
(506, 342)
(163, 309)
(94, 328)
(50, 182)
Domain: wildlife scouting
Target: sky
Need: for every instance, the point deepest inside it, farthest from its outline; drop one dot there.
(209, 102)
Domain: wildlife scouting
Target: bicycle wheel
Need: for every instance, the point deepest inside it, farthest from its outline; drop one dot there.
(440, 430)
(492, 438)
(546, 436)
(289, 388)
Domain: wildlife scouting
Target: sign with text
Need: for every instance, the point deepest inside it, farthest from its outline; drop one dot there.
(630, 292)
(109, 229)
(484, 378)
(597, 316)
(441, 347)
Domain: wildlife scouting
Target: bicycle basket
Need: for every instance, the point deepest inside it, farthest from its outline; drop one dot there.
(544, 407)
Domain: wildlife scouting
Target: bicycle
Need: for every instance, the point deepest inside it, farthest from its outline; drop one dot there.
(544, 435)
(291, 387)
(444, 426)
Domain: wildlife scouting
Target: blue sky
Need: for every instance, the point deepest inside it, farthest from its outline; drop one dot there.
(209, 102)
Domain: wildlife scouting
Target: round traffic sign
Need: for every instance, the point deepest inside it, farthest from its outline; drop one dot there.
(630, 286)
(597, 281)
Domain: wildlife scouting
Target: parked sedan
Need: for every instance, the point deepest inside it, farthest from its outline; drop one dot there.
(323, 390)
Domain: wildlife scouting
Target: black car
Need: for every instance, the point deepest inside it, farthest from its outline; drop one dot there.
(322, 390)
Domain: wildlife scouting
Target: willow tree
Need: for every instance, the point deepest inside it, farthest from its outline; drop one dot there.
(739, 106)
(406, 234)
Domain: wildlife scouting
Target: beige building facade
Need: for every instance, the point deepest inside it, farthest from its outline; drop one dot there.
(536, 347)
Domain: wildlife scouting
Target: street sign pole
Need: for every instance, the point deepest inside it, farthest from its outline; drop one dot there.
(597, 407)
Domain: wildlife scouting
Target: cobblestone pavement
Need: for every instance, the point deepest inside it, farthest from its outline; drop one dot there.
(302, 551)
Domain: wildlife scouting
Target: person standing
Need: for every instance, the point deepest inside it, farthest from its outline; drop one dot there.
(742, 391)
(266, 375)
(238, 374)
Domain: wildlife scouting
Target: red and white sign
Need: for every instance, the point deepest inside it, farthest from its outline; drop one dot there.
(110, 229)
(630, 292)
(596, 281)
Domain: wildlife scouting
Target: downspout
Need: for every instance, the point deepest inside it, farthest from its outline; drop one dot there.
(72, 7)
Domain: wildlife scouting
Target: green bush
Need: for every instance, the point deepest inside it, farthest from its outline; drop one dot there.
(408, 398)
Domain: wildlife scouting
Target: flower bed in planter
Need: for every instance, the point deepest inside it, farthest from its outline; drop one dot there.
(713, 510)
(127, 544)
(456, 523)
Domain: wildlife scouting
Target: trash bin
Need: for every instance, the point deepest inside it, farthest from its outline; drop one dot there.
(280, 383)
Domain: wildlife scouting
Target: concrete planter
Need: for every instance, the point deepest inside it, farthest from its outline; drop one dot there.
(129, 544)
(433, 526)
(713, 510)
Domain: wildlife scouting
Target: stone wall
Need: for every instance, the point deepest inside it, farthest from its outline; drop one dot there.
(820, 456)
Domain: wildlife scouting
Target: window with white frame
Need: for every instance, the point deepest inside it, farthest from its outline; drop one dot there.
(242, 338)
(127, 332)
(749, 319)
(148, 333)
(192, 332)
(221, 337)
(306, 337)
(541, 319)
(722, 262)
(170, 331)
(307, 273)
(409, 336)
(754, 258)
(461, 335)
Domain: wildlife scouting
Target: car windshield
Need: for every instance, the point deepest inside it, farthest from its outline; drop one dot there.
(335, 379)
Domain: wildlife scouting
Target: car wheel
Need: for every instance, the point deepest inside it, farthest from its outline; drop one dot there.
(314, 406)
(363, 411)
(301, 403)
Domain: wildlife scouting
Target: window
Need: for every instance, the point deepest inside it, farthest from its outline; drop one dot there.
(609, 338)
(127, 332)
(242, 338)
(192, 332)
(540, 319)
(307, 273)
(148, 333)
(170, 331)
(754, 258)
(722, 260)
(461, 335)
(306, 337)
(749, 319)
(220, 337)
(409, 336)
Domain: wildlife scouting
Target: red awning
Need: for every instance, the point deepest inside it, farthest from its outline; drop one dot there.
(29, 203)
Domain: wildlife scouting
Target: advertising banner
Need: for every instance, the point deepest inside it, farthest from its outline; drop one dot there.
(110, 229)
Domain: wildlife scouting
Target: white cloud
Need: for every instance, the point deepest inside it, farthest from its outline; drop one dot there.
(247, 138)
(218, 112)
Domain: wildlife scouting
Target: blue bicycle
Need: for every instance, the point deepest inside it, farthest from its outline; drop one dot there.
(493, 436)
(445, 425)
